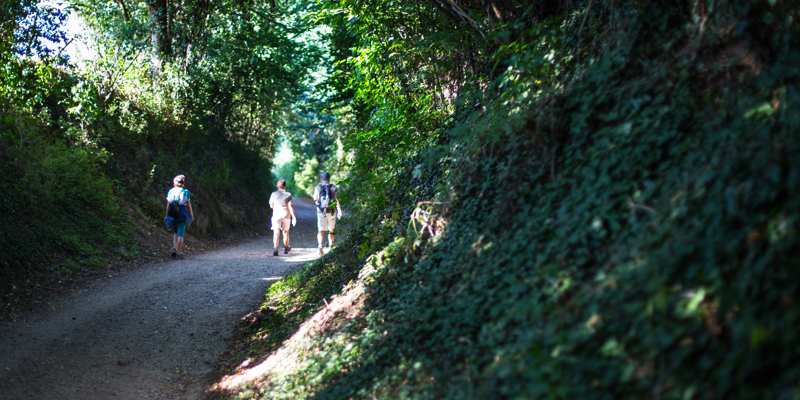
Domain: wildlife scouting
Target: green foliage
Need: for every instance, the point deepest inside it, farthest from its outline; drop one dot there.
(56, 203)
(308, 178)
(230, 67)
(286, 165)
(620, 215)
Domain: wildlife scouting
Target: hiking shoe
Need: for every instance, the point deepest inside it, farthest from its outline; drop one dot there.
(275, 251)
(179, 256)
(174, 253)
(287, 249)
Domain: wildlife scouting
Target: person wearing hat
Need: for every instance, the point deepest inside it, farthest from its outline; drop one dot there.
(326, 195)
(180, 198)
(281, 203)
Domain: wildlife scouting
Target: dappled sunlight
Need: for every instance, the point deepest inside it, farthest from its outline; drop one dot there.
(298, 255)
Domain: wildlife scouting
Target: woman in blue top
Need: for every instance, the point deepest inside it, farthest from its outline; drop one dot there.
(183, 197)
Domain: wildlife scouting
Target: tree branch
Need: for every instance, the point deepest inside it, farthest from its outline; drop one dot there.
(125, 14)
(458, 15)
(446, 12)
(585, 17)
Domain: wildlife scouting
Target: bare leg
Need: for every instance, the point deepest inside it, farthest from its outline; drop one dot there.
(285, 239)
(330, 238)
(179, 243)
(276, 238)
(175, 241)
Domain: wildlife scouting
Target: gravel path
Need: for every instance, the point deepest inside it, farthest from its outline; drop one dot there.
(154, 333)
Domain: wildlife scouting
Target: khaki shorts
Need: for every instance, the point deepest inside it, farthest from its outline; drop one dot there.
(281, 223)
(326, 222)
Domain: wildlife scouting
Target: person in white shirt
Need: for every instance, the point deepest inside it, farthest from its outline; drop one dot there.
(281, 203)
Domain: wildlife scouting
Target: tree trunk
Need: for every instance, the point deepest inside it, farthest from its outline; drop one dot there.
(493, 13)
(162, 42)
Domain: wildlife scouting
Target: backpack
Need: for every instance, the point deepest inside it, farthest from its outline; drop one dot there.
(324, 197)
(175, 210)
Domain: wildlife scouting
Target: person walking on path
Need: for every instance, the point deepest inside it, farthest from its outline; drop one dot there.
(326, 195)
(179, 214)
(281, 203)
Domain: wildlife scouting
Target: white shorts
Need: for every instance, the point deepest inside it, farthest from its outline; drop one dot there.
(281, 223)
(326, 222)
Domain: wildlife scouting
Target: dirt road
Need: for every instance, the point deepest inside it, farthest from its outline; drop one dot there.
(153, 333)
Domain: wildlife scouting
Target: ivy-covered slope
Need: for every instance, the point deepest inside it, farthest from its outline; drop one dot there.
(631, 234)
